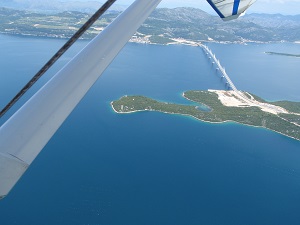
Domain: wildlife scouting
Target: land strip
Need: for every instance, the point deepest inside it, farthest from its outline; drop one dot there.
(222, 109)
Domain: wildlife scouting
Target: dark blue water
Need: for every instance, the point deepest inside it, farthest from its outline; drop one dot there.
(272, 77)
(151, 168)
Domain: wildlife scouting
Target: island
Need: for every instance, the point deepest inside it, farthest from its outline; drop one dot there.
(218, 106)
(283, 54)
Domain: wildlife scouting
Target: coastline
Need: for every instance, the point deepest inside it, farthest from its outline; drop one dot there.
(176, 41)
(201, 119)
(204, 121)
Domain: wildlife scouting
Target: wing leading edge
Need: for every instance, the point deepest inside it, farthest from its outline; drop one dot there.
(230, 9)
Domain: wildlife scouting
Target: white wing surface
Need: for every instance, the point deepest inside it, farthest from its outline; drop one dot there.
(24, 135)
(230, 9)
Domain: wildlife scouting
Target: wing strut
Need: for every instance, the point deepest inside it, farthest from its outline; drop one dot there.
(58, 54)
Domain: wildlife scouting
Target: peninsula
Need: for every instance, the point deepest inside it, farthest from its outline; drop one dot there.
(217, 106)
(284, 54)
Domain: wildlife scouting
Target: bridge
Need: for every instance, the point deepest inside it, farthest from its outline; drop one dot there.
(214, 60)
(248, 100)
(219, 67)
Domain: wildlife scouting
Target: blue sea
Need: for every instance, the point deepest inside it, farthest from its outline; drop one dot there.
(148, 168)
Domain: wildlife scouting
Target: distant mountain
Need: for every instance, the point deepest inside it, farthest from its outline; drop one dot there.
(163, 26)
(284, 27)
(190, 23)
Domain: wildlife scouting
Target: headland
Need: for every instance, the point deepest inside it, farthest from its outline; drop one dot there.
(225, 106)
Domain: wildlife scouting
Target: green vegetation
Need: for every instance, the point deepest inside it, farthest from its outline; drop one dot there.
(290, 106)
(283, 123)
(60, 25)
(163, 25)
(159, 40)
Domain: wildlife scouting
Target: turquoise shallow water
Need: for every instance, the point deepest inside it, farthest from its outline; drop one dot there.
(152, 168)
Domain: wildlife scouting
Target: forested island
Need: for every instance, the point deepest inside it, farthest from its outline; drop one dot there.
(207, 106)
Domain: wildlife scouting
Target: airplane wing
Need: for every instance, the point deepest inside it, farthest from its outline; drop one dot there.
(230, 9)
(24, 135)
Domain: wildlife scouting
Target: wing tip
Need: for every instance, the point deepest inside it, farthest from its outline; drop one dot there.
(233, 17)
(11, 169)
(231, 10)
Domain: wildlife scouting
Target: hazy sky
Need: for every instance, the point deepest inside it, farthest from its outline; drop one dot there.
(266, 6)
